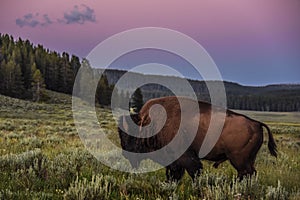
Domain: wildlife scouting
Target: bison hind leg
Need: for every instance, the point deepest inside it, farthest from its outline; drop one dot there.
(174, 172)
(247, 171)
(244, 168)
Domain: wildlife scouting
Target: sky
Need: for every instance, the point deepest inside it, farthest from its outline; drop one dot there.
(252, 42)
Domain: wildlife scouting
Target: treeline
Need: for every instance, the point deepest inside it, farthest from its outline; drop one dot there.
(105, 90)
(264, 103)
(282, 97)
(25, 70)
(279, 98)
(278, 101)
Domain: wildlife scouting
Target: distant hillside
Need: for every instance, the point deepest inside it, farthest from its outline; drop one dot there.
(281, 97)
(30, 72)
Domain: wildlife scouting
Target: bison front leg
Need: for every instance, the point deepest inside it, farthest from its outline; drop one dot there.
(174, 172)
(191, 163)
(194, 167)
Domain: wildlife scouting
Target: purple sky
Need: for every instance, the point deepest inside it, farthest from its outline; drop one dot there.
(253, 42)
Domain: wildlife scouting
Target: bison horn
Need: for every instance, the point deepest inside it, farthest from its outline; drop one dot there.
(141, 124)
(125, 125)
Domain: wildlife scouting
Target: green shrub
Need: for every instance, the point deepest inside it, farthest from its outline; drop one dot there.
(14, 162)
(220, 186)
(278, 192)
(100, 187)
(63, 168)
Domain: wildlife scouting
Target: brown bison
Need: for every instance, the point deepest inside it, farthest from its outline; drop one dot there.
(239, 141)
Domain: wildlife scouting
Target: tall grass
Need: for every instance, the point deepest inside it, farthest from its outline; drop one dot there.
(43, 158)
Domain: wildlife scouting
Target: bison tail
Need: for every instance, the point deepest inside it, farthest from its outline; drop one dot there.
(271, 144)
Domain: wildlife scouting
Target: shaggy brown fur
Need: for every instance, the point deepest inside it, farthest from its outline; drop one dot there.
(239, 142)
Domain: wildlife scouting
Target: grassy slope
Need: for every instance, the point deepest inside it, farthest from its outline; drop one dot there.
(41, 156)
(274, 117)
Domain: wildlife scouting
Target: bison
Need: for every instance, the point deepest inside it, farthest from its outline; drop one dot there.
(239, 141)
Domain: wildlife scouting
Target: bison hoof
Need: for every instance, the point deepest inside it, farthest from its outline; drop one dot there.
(216, 165)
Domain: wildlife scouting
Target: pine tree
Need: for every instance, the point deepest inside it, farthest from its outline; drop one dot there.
(103, 94)
(137, 101)
(116, 95)
(75, 65)
(4, 78)
(11, 83)
(18, 84)
(122, 100)
(85, 80)
(18, 87)
(37, 85)
(52, 78)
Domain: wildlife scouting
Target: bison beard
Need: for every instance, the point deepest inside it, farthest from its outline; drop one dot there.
(239, 142)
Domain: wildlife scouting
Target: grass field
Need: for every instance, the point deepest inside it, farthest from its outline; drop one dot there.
(42, 157)
(274, 117)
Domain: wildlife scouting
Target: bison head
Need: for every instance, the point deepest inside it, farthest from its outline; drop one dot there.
(128, 142)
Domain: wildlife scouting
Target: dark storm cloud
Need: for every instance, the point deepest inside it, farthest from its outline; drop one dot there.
(79, 15)
(33, 20)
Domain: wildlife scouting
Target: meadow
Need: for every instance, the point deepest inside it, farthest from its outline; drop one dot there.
(42, 157)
